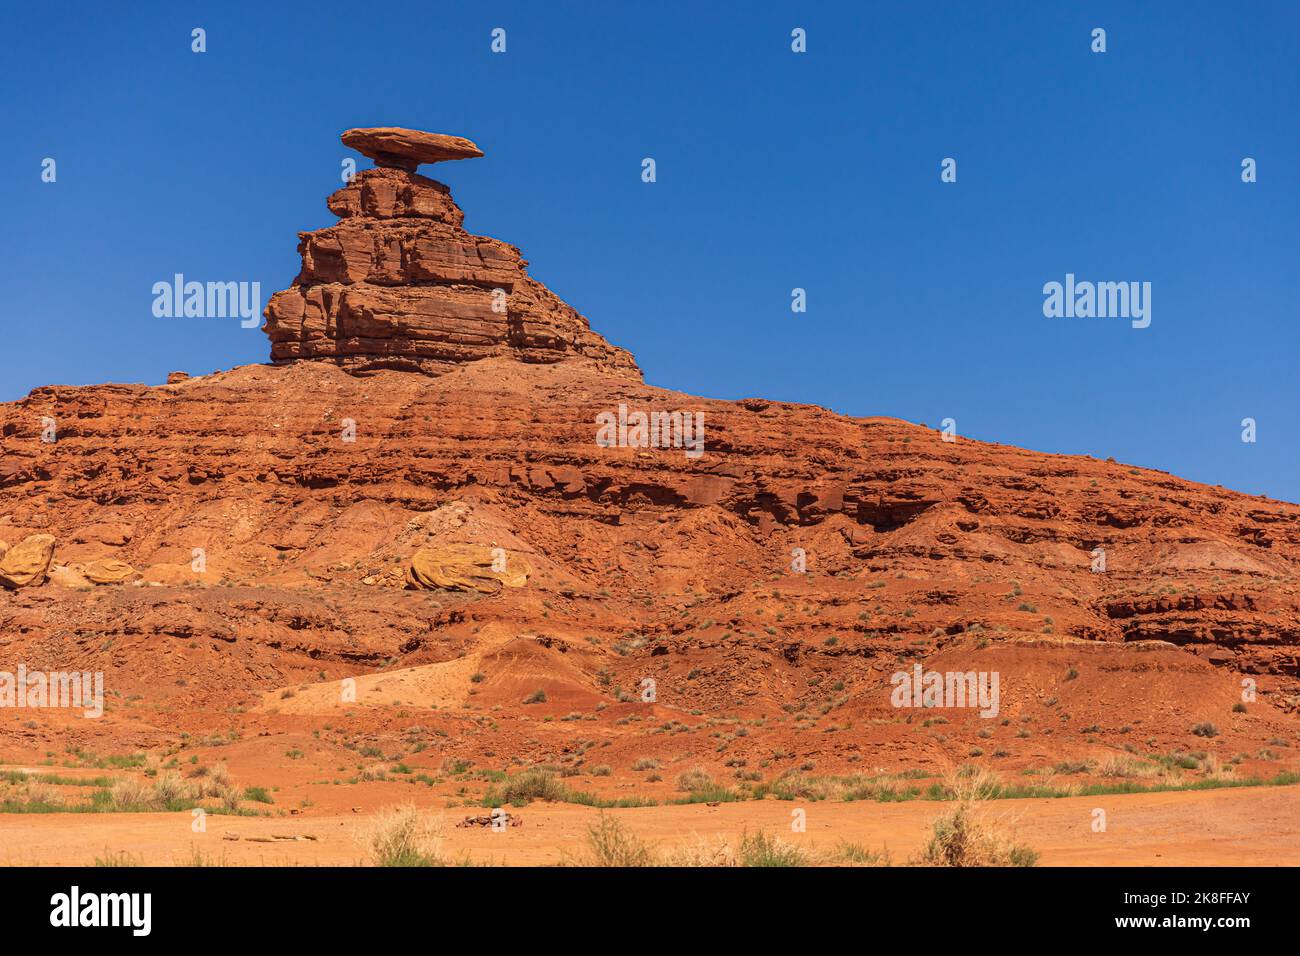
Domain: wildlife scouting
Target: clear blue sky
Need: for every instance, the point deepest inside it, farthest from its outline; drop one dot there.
(775, 171)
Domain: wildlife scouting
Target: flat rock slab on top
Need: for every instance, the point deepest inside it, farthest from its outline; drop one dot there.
(408, 148)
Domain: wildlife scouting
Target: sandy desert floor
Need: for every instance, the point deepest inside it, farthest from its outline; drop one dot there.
(1246, 827)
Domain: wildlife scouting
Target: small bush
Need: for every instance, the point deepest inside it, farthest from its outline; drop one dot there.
(762, 850)
(118, 858)
(398, 837)
(961, 838)
(130, 794)
(858, 855)
(229, 797)
(696, 780)
(535, 784)
(611, 843)
(170, 788)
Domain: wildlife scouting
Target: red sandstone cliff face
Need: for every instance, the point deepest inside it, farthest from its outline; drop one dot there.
(645, 562)
(307, 489)
(399, 284)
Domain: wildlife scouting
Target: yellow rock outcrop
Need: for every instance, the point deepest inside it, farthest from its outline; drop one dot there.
(108, 571)
(27, 562)
(466, 567)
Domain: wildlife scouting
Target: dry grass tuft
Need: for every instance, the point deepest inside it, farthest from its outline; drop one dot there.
(703, 851)
(965, 836)
(399, 836)
(611, 843)
(129, 793)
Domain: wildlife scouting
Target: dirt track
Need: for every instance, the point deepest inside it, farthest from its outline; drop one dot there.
(1248, 827)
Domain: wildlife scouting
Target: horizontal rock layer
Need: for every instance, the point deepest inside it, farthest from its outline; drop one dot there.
(251, 466)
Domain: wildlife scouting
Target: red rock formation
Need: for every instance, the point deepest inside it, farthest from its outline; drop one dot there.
(408, 148)
(273, 512)
(399, 284)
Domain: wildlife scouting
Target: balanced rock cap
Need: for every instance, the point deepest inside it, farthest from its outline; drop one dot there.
(407, 148)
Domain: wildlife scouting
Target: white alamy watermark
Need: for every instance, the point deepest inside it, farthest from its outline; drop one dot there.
(75, 908)
(922, 688)
(67, 689)
(639, 429)
(1101, 300)
(208, 300)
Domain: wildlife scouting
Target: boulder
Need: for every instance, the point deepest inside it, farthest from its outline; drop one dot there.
(465, 567)
(108, 571)
(28, 562)
(69, 576)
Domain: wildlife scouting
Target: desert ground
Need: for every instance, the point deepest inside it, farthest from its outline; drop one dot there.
(1207, 828)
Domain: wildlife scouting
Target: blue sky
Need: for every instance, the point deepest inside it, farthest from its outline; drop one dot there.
(775, 171)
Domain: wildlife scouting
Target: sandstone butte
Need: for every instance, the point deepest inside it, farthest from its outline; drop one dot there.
(261, 557)
(398, 283)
